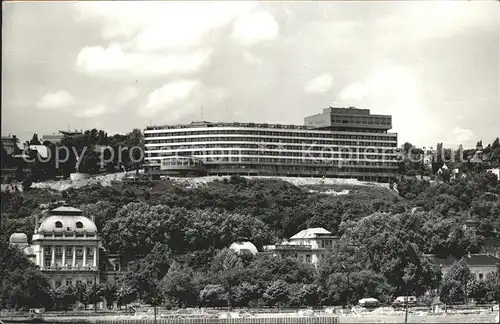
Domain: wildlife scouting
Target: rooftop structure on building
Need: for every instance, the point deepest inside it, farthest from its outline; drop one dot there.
(481, 265)
(57, 137)
(339, 142)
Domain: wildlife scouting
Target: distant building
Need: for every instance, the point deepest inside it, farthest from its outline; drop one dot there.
(67, 249)
(337, 143)
(65, 246)
(492, 246)
(307, 246)
(9, 143)
(495, 171)
(57, 137)
(480, 264)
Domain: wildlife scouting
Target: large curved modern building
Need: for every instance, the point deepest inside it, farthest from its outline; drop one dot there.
(340, 142)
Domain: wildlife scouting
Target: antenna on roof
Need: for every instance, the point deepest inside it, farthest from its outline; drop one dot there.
(201, 112)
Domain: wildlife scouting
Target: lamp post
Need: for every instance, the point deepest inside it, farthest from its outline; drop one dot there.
(406, 298)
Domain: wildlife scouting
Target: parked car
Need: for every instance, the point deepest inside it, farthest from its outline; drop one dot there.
(369, 302)
(405, 300)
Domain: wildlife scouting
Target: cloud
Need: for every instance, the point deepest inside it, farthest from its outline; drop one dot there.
(396, 82)
(115, 62)
(150, 39)
(162, 98)
(56, 100)
(255, 27)
(463, 135)
(442, 19)
(319, 84)
(93, 112)
(251, 58)
(157, 25)
(127, 94)
(353, 92)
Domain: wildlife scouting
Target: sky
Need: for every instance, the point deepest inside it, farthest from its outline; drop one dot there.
(433, 65)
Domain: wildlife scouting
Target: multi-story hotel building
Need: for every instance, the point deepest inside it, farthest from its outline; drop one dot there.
(340, 142)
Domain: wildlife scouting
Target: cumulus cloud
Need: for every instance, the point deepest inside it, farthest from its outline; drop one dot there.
(127, 94)
(93, 112)
(463, 135)
(353, 92)
(162, 98)
(56, 100)
(396, 82)
(319, 84)
(442, 19)
(255, 27)
(155, 25)
(154, 38)
(113, 61)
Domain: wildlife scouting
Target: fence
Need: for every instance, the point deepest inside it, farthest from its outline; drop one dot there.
(255, 320)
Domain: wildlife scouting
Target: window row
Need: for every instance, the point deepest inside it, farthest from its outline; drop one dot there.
(387, 143)
(58, 250)
(270, 146)
(275, 134)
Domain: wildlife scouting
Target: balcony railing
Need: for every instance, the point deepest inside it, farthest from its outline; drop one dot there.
(69, 268)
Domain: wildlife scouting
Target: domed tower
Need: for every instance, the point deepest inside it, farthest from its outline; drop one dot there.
(66, 245)
(243, 244)
(19, 240)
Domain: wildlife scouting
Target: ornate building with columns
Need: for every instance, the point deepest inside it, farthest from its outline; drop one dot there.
(65, 246)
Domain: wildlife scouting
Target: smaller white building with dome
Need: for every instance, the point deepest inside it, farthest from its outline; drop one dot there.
(242, 244)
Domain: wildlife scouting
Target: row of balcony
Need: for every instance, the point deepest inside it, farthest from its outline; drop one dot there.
(76, 267)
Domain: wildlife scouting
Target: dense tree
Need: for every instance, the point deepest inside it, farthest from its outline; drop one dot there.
(180, 286)
(63, 297)
(213, 296)
(227, 269)
(276, 293)
(179, 236)
(21, 284)
(454, 287)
